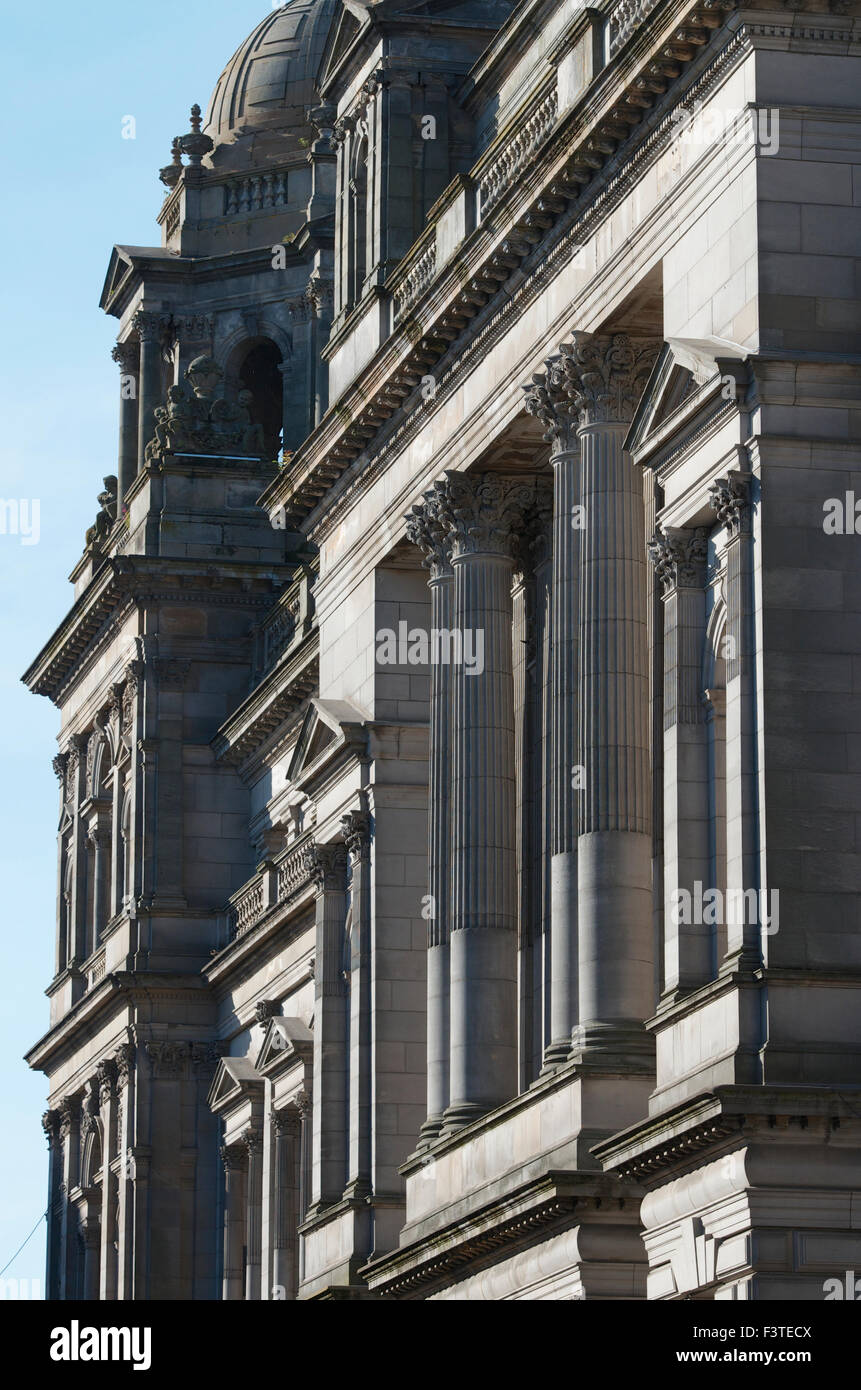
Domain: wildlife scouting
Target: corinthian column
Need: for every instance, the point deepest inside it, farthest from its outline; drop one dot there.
(548, 399)
(328, 866)
(679, 557)
(148, 326)
(127, 358)
(484, 515)
(605, 377)
(426, 529)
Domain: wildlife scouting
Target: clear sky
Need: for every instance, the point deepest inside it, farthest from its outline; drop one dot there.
(73, 186)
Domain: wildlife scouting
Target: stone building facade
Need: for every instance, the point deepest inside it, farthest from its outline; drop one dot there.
(458, 869)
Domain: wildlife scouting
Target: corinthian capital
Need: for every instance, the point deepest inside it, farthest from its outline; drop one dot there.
(603, 377)
(730, 501)
(679, 557)
(356, 829)
(326, 865)
(549, 397)
(126, 356)
(486, 513)
(426, 528)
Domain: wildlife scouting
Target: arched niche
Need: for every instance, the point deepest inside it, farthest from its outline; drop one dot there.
(255, 365)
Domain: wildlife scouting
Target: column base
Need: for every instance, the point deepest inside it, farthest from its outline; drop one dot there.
(430, 1130)
(556, 1054)
(458, 1116)
(626, 1046)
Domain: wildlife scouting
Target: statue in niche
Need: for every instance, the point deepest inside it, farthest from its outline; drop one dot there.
(196, 421)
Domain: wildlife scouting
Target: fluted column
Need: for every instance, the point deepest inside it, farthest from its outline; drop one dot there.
(51, 1126)
(234, 1158)
(356, 829)
(328, 865)
(253, 1141)
(107, 1079)
(606, 376)
(285, 1240)
(148, 326)
(426, 529)
(484, 515)
(679, 557)
(548, 398)
(127, 358)
(730, 498)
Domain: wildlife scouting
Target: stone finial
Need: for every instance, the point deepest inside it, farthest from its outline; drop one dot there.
(195, 144)
(171, 174)
(679, 557)
(729, 498)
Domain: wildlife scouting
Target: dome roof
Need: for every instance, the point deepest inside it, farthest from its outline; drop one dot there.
(269, 81)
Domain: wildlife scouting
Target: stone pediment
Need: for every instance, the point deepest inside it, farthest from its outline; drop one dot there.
(287, 1042)
(236, 1082)
(688, 371)
(356, 16)
(328, 725)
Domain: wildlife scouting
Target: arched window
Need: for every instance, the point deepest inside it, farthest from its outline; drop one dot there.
(255, 366)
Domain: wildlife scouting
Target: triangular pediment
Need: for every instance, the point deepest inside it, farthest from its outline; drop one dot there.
(287, 1042)
(119, 269)
(687, 372)
(327, 724)
(236, 1080)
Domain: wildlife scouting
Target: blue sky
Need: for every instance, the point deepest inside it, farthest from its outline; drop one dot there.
(73, 186)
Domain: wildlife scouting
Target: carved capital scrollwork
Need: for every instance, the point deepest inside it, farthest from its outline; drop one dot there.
(679, 557)
(234, 1157)
(51, 1126)
(356, 829)
(326, 866)
(286, 1121)
(106, 1072)
(594, 379)
(729, 498)
(426, 528)
(69, 1111)
(127, 357)
(485, 513)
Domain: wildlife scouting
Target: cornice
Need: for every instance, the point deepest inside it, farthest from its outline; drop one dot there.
(281, 692)
(472, 281)
(124, 581)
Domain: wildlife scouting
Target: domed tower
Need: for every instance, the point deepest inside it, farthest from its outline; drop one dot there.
(244, 273)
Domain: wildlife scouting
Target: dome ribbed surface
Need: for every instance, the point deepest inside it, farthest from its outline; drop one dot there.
(269, 81)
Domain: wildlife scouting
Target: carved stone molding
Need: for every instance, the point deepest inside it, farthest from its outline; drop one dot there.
(326, 866)
(729, 498)
(679, 557)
